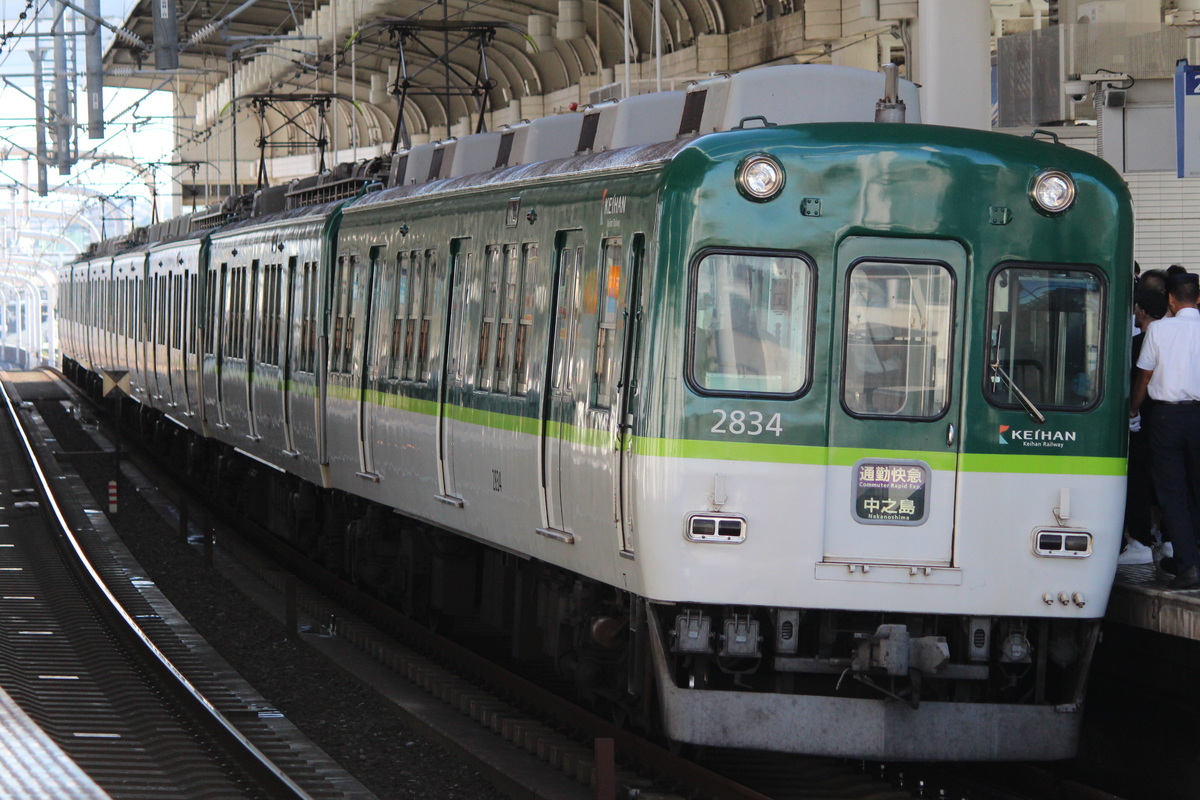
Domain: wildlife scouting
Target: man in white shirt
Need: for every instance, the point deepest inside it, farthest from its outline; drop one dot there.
(1170, 374)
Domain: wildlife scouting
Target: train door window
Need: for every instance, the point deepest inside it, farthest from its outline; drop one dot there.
(272, 305)
(418, 276)
(397, 288)
(431, 287)
(351, 297)
(567, 314)
(898, 331)
(237, 311)
(528, 298)
(609, 295)
(308, 318)
(177, 314)
(752, 323)
(509, 284)
(487, 326)
(210, 312)
(1045, 327)
(193, 313)
(341, 295)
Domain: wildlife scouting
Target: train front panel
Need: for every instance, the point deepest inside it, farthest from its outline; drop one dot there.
(880, 436)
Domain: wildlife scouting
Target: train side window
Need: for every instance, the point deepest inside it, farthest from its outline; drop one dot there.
(308, 318)
(356, 287)
(487, 325)
(752, 323)
(1045, 329)
(430, 288)
(511, 276)
(528, 295)
(416, 296)
(237, 313)
(210, 311)
(609, 290)
(899, 319)
(400, 296)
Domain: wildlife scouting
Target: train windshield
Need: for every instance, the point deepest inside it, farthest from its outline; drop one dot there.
(752, 323)
(1045, 326)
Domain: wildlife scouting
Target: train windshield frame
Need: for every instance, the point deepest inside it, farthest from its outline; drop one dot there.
(751, 323)
(1046, 326)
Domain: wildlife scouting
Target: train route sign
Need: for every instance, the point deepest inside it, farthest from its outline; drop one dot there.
(890, 492)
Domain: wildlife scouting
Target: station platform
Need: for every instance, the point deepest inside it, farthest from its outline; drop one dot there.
(32, 766)
(1141, 598)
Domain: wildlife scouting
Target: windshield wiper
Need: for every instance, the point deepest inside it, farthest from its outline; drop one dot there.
(1025, 401)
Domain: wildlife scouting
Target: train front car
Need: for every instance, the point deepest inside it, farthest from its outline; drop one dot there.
(879, 458)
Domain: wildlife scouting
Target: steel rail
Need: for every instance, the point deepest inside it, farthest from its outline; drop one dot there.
(267, 776)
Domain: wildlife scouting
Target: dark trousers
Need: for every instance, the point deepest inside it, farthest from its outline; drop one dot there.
(1175, 448)
(1139, 492)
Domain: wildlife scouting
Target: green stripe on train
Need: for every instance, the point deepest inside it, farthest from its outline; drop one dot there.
(761, 452)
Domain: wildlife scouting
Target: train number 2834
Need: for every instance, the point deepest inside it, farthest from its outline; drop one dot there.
(739, 422)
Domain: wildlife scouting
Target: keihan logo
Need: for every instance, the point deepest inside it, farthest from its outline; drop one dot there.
(1034, 437)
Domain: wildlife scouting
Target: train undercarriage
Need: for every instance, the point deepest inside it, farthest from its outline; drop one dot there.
(825, 681)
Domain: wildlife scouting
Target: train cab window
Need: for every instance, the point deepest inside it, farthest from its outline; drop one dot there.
(1044, 342)
(898, 330)
(528, 300)
(752, 323)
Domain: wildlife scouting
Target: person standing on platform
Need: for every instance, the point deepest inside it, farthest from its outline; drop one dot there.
(1169, 366)
(1150, 305)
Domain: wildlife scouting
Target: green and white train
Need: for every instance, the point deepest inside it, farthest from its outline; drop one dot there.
(775, 426)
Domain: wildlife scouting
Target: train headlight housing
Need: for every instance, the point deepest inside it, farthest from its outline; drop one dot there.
(760, 177)
(1053, 191)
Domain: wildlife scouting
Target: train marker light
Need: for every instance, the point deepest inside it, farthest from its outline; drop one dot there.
(1053, 191)
(760, 177)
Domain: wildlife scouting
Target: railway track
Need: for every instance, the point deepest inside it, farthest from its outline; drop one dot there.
(93, 659)
(601, 758)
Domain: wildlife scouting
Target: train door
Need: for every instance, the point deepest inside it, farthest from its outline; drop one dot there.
(455, 357)
(252, 322)
(628, 333)
(558, 402)
(895, 402)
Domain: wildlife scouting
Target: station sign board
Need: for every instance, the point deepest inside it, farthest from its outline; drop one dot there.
(1187, 119)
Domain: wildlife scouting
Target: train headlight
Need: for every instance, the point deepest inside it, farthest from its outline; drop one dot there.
(760, 177)
(1053, 191)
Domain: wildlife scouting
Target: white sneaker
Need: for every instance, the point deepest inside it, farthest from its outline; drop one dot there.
(1136, 553)
(1167, 551)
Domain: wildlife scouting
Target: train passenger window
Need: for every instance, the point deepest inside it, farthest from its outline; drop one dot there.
(210, 311)
(1045, 326)
(528, 294)
(898, 331)
(428, 291)
(400, 317)
(752, 323)
(415, 302)
(610, 286)
(508, 302)
(353, 301)
(487, 325)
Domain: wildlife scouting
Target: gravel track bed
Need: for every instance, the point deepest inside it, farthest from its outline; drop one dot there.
(348, 720)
